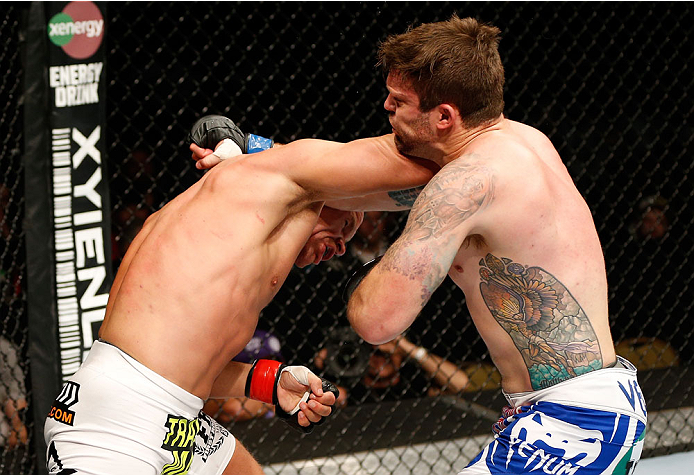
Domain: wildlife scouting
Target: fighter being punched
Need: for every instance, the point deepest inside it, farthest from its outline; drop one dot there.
(504, 220)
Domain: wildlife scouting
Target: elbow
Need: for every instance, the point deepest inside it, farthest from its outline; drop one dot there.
(375, 333)
(375, 324)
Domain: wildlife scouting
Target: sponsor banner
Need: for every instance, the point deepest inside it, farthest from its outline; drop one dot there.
(67, 220)
(79, 191)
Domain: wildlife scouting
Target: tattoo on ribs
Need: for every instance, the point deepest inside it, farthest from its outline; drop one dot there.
(545, 322)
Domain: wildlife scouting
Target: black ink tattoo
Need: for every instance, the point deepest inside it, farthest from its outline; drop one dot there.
(405, 198)
(424, 251)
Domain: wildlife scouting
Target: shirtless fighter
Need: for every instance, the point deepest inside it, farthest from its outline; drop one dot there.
(505, 221)
(186, 300)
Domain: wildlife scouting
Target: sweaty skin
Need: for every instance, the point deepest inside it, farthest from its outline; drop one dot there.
(505, 221)
(188, 293)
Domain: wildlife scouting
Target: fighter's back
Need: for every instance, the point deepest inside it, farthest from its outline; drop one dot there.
(207, 262)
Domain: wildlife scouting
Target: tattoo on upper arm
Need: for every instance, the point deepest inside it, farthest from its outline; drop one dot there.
(545, 322)
(423, 251)
(455, 193)
(405, 198)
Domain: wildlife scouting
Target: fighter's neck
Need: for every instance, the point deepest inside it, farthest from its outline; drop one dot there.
(459, 141)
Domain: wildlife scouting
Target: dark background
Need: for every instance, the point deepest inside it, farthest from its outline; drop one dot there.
(609, 83)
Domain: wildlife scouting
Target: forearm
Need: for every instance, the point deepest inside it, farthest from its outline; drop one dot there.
(446, 374)
(231, 382)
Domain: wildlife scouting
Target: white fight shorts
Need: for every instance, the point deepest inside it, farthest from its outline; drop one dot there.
(116, 416)
(591, 424)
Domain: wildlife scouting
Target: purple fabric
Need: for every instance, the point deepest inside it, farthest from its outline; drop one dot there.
(263, 345)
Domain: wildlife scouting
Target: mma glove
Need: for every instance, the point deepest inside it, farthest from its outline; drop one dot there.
(212, 129)
(357, 277)
(262, 383)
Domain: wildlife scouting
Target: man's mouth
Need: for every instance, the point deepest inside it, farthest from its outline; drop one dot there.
(328, 254)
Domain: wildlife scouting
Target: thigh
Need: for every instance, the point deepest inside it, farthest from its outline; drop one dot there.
(243, 463)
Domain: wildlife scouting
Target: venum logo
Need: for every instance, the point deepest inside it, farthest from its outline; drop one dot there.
(60, 411)
(78, 29)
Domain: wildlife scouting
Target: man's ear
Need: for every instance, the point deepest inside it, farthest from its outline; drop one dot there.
(447, 116)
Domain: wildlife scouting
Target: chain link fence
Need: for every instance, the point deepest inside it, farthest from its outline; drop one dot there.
(608, 83)
(16, 455)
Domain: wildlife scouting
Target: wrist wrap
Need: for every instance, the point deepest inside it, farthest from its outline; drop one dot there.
(262, 380)
(256, 143)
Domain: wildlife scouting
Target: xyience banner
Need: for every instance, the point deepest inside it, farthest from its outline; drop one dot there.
(67, 207)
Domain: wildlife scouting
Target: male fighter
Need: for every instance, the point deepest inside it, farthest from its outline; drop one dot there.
(505, 221)
(186, 300)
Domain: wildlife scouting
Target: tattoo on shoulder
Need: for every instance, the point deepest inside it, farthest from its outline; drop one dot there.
(545, 322)
(456, 193)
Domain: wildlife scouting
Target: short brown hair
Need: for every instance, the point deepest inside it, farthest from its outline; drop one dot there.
(455, 61)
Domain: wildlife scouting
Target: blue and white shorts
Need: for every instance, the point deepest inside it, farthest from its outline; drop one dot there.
(116, 416)
(588, 425)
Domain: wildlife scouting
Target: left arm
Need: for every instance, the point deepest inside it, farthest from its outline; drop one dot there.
(391, 296)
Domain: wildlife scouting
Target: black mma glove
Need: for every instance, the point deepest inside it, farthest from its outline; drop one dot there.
(357, 277)
(212, 129)
(262, 383)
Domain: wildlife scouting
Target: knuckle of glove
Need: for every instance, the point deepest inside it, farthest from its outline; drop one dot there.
(208, 131)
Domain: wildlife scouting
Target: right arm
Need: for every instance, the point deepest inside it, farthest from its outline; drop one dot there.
(361, 175)
(446, 374)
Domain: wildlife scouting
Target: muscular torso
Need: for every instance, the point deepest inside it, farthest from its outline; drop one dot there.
(532, 268)
(187, 296)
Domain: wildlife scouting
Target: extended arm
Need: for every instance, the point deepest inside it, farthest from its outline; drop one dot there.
(391, 296)
(331, 171)
(366, 174)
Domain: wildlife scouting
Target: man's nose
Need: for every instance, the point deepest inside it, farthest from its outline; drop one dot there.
(388, 104)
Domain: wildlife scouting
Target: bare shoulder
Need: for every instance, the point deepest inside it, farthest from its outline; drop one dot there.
(253, 179)
(456, 194)
(516, 149)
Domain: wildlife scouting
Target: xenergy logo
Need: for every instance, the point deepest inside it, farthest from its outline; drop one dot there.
(78, 29)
